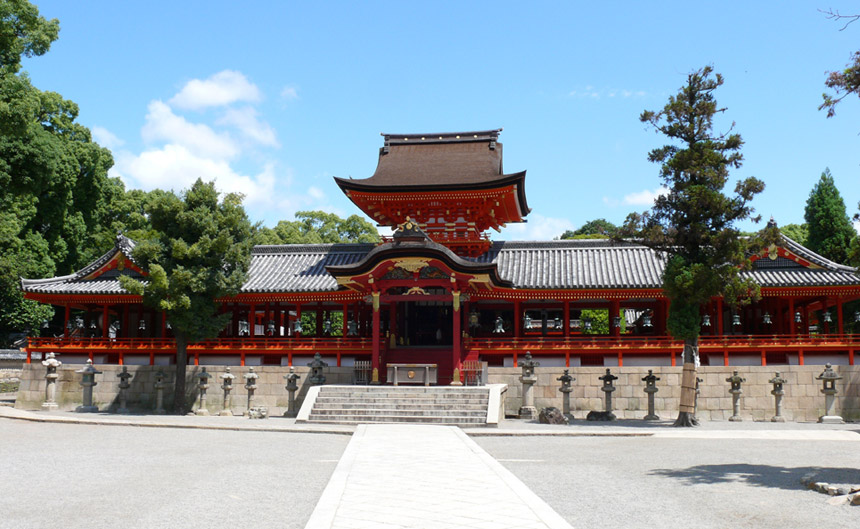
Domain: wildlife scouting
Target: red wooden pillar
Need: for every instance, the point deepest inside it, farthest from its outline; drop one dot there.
(614, 312)
(792, 326)
(196, 358)
(374, 332)
(151, 357)
(850, 357)
(458, 338)
(800, 359)
(66, 322)
(105, 321)
(252, 321)
(719, 328)
(566, 320)
(763, 358)
(840, 326)
(518, 319)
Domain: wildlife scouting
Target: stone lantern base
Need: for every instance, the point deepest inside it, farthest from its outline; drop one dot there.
(528, 412)
(831, 419)
(86, 409)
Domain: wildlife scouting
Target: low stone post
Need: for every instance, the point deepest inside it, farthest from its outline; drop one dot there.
(227, 386)
(316, 377)
(88, 380)
(735, 380)
(292, 386)
(778, 392)
(202, 386)
(250, 385)
(528, 379)
(651, 388)
(123, 377)
(828, 379)
(607, 389)
(51, 376)
(159, 392)
(565, 389)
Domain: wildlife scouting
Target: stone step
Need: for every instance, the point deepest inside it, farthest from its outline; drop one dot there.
(404, 389)
(450, 420)
(397, 405)
(394, 400)
(398, 412)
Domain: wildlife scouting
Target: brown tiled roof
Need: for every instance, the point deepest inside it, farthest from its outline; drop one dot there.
(458, 160)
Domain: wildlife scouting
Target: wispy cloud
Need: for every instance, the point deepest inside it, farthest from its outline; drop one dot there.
(645, 197)
(290, 92)
(162, 124)
(106, 138)
(538, 228)
(246, 121)
(221, 89)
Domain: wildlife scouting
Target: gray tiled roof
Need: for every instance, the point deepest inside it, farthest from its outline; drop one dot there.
(576, 264)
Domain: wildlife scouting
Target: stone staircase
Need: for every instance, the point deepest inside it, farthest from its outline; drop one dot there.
(460, 406)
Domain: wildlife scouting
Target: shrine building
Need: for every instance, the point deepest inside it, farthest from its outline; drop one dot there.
(440, 291)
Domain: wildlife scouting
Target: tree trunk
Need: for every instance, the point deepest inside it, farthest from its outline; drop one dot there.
(181, 363)
(686, 413)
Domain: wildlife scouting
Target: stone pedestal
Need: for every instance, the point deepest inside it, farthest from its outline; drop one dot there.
(51, 376)
(123, 376)
(528, 380)
(227, 386)
(88, 380)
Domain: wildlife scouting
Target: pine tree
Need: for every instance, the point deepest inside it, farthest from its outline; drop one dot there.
(830, 230)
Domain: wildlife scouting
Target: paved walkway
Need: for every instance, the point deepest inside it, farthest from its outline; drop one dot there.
(428, 477)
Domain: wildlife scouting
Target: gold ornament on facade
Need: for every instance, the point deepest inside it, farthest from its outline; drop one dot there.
(416, 290)
(412, 264)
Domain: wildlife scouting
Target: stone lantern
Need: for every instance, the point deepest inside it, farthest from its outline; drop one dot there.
(607, 389)
(124, 384)
(528, 379)
(51, 376)
(292, 386)
(735, 380)
(651, 388)
(88, 380)
(227, 386)
(159, 392)
(566, 379)
(828, 380)
(202, 386)
(778, 392)
(317, 378)
(250, 385)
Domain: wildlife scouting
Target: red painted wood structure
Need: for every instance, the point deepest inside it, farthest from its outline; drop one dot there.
(440, 291)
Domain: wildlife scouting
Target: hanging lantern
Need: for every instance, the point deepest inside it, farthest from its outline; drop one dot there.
(271, 327)
(857, 316)
(527, 321)
(297, 326)
(827, 317)
(70, 325)
(736, 320)
(243, 328)
(327, 326)
(706, 320)
(351, 328)
(766, 318)
(616, 321)
(141, 326)
(557, 323)
(167, 325)
(646, 322)
(93, 325)
(499, 326)
(79, 322)
(586, 324)
(798, 318)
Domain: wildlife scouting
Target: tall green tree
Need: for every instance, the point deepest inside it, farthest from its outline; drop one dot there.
(54, 189)
(593, 229)
(201, 252)
(318, 227)
(830, 230)
(693, 225)
(796, 232)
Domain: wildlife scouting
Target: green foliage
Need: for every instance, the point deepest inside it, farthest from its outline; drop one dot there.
(593, 229)
(799, 233)
(694, 223)
(317, 227)
(55, 195)
(309, 322)
(830, 230)
(843, 83)
(600, 321)
(23, 33)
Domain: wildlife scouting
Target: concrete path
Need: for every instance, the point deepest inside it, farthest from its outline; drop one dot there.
(422, 476)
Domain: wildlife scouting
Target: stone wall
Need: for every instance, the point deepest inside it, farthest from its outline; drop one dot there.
(803, 400)
(271, 391)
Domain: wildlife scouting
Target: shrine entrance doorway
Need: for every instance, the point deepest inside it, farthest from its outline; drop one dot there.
(425, 324)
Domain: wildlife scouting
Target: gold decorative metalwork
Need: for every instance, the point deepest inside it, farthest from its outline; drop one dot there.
(456, 295)
(411, 264)
(416, 290)
(410, 374)
(375, 301)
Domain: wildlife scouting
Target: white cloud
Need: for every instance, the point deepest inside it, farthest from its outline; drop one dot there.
(221, 89)
(106, 138)
(538, 228)
(290, 92)
(316, 193)
(163, 125)
(645, 197)
(246, 122)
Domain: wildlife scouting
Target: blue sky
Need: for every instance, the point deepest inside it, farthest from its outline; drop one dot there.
(273, 99)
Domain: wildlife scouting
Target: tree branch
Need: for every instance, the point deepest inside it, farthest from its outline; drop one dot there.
(831, 14)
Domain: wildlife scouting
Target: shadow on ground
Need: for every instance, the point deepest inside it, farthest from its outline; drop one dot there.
(788, 478)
